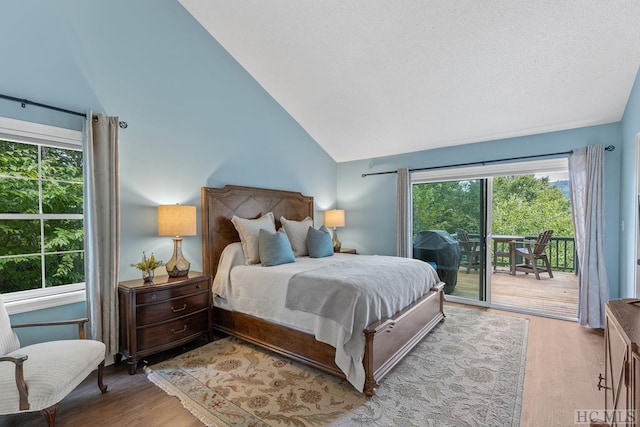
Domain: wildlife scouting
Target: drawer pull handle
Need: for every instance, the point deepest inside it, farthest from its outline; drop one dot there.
(175, 310)
(198, 286)
(179, 331)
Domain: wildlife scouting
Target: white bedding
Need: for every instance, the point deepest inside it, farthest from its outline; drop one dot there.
(261, 291)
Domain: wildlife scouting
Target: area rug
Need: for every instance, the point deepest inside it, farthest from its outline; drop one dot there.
(469, 371)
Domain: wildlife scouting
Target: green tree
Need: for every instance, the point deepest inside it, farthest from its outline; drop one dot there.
(525, 205)
(447, 206)
(60, 171)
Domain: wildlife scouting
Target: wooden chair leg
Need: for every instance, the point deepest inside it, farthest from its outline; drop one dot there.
(103, 388)
(49, 415)
(526, 265)
(534, 265)
(548, 264)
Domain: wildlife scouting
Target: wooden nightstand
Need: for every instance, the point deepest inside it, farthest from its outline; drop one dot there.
(161, 315)
(348, 251)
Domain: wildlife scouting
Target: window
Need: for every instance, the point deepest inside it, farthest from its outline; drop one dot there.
(41, 211)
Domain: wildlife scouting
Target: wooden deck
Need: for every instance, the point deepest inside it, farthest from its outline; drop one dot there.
(556, 297)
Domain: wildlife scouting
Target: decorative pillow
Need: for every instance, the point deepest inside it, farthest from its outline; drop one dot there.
(248, 230)
(275, 248)
(297, 233)
(319, 242)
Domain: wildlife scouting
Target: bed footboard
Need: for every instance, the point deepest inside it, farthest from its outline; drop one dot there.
(389, 340)
(289, 342)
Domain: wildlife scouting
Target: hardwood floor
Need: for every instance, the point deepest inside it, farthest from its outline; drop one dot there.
(561, 374)
(563, 362)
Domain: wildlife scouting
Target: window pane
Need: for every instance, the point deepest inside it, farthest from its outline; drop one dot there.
(18, 159)
(18, 195)
(63, 235)
(61, 164)
(19, 237)
(61, 197)
(20, 274)
(64, 269)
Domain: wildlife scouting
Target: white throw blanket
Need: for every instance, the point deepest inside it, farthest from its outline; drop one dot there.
(354, 293)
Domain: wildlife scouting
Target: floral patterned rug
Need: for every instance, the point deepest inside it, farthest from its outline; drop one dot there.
(469, 371)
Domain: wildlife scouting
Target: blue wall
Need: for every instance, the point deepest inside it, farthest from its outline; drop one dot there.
(196, 118)
(629, 191)
(34, 335)
(370, 202)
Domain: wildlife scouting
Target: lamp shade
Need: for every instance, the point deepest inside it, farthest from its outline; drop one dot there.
(334, 218)
(176, 220)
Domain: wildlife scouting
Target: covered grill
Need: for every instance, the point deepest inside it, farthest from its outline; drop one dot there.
(437, 246)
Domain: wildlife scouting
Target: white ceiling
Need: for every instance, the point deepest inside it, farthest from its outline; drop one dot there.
(368, 78)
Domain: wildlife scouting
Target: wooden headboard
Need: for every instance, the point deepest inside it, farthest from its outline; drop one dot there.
(220, 204)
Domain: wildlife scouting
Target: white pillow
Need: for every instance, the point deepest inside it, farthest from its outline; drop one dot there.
(297, 234)
(248, 229)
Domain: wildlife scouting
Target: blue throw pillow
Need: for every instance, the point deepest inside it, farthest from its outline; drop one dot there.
(319, 242)
(274, 248)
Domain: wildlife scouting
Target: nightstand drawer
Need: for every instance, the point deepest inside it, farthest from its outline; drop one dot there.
(175, 292)
(167, 332)
(154, 313)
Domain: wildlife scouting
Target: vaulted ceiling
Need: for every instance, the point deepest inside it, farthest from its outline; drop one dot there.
(368, 78)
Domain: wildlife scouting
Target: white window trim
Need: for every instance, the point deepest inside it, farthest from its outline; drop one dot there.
(36, 133)
(38, 299)
(486, 171)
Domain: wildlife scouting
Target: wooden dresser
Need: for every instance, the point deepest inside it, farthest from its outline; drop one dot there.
(161, 315)
(621, 380)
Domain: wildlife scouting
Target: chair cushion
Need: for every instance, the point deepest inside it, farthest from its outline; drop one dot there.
(8, 338)
(52, 371)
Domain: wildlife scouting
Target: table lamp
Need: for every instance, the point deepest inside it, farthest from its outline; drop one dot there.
(334, 218)
(176, 221)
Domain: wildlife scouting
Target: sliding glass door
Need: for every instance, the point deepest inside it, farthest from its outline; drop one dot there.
(500, 235)
(449, 229)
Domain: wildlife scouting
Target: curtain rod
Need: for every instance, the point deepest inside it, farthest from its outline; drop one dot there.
(25, 102)
(485, 162)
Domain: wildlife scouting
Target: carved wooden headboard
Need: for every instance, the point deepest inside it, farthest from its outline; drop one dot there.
(220, 204)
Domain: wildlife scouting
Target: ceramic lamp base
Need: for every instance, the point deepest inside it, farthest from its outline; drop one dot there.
(336, 243)
(177, 266)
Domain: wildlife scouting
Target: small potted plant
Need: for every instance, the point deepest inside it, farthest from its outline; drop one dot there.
(147, 266)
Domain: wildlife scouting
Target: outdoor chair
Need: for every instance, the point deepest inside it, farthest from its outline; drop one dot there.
(37, 377)
(534, 251)
(469, 251)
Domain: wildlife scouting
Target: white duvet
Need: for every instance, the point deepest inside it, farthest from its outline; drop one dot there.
(261, 292)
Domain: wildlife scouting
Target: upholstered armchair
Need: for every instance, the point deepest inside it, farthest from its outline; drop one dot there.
(37, 377)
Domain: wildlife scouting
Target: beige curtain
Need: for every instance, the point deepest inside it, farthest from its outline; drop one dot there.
(586, 169)
(403, 214)
(102, 227)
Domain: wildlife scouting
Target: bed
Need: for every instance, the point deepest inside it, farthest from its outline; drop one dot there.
(386, 341)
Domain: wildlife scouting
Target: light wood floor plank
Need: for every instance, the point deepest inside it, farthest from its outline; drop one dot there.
(555, 296)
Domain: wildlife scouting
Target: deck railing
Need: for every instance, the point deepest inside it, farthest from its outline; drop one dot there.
(561, 253)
